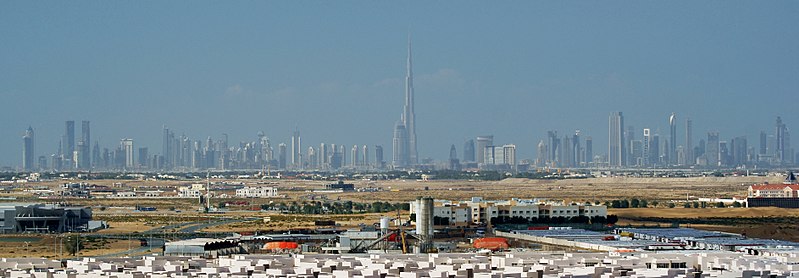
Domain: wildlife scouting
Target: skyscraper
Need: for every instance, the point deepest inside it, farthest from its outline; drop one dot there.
(468, 151)
(379, 162)
(69, 143)
(323, 156)
(143, 157)
(690, 156)
(167, 148)
(647, 150)
(739, 151)
(127, 150)
(672, 139)
(553, 147)
(567, 154)
(509, 156)
(281, 154)
(85, 159)
(454, 164)
(295, 150)
(482, 143)
(629, 137)
(576, 149)
(712, 149)
(401, 156)
(365, 156)
(541, 154)
(27, 150)
(311, 158)
(781, 151)
(616, 150)
(589, 150)
(654, 150)
(355, 155)
(409, 114)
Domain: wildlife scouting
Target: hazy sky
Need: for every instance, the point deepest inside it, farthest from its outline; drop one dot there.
(334, 69)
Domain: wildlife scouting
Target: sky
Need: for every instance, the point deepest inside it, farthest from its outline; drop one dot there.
(334, 70)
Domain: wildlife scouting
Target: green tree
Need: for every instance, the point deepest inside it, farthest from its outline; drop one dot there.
(73, 244)
(643, 204)
(736, 204)
(635, 203)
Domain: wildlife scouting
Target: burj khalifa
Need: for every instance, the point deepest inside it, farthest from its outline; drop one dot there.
(404, 143)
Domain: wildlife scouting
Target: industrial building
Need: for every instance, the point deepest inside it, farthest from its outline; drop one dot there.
(40, 218)
(202, 247)
(340, 186)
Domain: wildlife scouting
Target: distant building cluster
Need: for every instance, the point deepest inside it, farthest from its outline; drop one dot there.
(628, 148)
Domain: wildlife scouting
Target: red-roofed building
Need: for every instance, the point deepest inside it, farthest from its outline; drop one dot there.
(788, 189)
(773, 191)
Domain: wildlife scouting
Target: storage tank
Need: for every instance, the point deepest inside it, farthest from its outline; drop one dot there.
(491, 243)
(280, 245)
(384, 224)
(424, 223)
(424, 216)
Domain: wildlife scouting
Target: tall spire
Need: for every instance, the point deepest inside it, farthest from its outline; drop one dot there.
(409, 115)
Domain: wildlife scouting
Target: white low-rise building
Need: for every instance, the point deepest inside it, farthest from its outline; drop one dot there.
(194, 191)
(257, 192)
(478, 210)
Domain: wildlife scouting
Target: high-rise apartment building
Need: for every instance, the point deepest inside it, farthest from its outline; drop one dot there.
(616, 146)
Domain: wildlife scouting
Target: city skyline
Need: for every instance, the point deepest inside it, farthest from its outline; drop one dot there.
(515, 78)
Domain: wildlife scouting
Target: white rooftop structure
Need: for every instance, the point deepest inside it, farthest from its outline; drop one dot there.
(532, 264)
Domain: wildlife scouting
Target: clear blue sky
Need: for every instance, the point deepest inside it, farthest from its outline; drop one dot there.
(514, 69)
